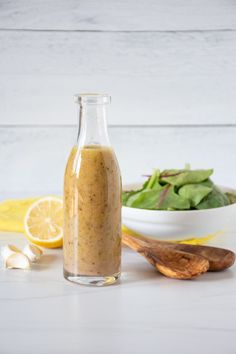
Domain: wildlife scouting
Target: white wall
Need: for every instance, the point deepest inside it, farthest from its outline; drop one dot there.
(170, 67)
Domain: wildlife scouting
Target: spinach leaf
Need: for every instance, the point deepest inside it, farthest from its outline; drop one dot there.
(215, 199)
(146, 199)
(125, 196)
(177, 190)
(128, 198)
(181, 177)
(168, 199)
(194, 193)
(153, 181)
(161, 199)
(207, 183)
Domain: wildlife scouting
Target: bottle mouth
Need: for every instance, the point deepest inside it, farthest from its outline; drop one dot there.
(92, 98)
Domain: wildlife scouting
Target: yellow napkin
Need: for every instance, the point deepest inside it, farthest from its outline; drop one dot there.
(189, 240)
(12, 213)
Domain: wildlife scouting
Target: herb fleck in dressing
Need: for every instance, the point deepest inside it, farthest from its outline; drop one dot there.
(92, 203)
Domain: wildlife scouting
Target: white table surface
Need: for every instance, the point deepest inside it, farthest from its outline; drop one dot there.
(41, 313)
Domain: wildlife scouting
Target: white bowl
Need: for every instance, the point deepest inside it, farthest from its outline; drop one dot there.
(178, 225)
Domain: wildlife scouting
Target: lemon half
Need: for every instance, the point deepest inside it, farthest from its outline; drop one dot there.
(43, 222)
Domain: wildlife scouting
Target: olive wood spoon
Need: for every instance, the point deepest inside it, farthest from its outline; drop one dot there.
(168, 261)
(218, 258)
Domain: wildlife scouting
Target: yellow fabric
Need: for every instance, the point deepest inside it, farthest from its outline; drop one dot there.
(189, 240)
(12, 213)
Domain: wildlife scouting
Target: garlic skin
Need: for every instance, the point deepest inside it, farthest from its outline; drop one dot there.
(33, 252)
(17, 261)
(7, 251)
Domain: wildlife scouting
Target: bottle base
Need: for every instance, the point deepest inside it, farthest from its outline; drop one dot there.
(92, 280)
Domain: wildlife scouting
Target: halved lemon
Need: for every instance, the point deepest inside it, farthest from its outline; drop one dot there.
(43, 222)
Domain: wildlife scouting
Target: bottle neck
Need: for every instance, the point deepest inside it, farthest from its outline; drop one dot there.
(92, 125)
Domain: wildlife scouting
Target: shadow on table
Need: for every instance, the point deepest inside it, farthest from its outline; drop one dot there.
(46, 261)
(141, 273)
(138, 272)
(217, 276)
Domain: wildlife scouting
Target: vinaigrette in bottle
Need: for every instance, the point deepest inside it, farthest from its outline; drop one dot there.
(92, 200)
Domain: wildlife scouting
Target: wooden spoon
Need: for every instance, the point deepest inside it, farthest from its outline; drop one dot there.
(218, 258)
(171, 262)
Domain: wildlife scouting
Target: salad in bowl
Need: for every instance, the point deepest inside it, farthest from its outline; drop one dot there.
(178, 205)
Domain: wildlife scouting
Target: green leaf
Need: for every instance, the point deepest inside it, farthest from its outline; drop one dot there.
(146, 199)
(194, 193)
(125, 197)
(177, 190)
(128, 198)
(153, 181)
(127, 194)
(207, 183)
(215, 199)
(162, 199)
(170, 200)
(181, 177)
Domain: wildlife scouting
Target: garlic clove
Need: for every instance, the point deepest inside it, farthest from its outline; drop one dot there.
(17, 261)
(33, 252)
(8, 250)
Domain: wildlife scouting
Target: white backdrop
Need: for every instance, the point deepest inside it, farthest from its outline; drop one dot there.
(170, 67)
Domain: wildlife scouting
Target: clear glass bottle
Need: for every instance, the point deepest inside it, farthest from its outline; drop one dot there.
(92, 200)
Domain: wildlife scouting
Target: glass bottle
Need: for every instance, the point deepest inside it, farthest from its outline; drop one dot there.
(92, 199)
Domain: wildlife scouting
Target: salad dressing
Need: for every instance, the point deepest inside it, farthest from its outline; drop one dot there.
(92, 200)
(92, 212)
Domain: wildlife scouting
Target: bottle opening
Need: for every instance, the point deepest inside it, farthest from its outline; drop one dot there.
(92, 98)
